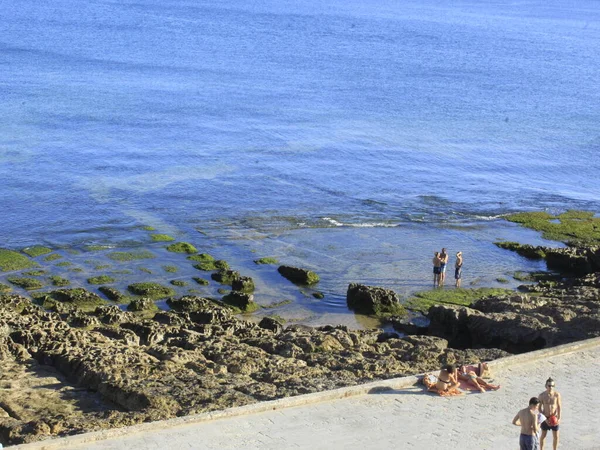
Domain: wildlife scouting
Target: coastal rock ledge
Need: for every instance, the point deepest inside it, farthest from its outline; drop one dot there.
(198, 357)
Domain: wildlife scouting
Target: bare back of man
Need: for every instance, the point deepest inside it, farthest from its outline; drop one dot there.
(527, 419)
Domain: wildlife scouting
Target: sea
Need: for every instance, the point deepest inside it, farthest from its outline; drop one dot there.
(352, 138)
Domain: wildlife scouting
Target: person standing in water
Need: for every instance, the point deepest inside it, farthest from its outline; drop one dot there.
(444, 263)
(436, 269)
(458, 269)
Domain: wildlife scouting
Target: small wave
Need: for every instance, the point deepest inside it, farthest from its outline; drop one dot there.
(360, 224)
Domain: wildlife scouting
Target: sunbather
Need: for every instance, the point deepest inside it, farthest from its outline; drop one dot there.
(470, 376)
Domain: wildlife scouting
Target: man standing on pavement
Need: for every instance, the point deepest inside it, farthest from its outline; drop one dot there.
(527, 419)
(551, 408)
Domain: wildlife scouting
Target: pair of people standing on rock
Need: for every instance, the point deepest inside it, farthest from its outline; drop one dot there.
(440, 261)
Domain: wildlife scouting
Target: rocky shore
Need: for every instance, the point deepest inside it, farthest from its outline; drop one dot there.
(114, 368)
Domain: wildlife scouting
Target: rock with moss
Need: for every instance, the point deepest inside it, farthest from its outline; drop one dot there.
(150, 290)
(52, 257)
(243, 284)
(575, 228)
(211, 265)
(182, 247)
(225, 276)
(180, 283)
(130, 256)
(423, 300)
(374, 300)
(142, 304)
(79, 297)
(170, 269)
(526, 250)
(201, 257)
(161, 238)
(11, 261)
(298, 276)
(111, 293)
(4, 288)
(318, 295)
(34, 273)
(266, 260)
(26, 283)
(101, 279)
(201, 281)
(59, 281)
(36, 250)
(243, 301)
(64, 264)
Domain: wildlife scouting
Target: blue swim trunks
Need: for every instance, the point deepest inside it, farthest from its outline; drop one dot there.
(458, 273)
(527, 442)
(443, 268)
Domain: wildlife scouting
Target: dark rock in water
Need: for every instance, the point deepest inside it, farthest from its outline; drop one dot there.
(225, 276)
(298, 275)
(526, 250)
(269, 323)
(373, 300)
(241, 300)
(318, 295)
(111, 293)
(576, 261)
(190, 303)
(243, 284)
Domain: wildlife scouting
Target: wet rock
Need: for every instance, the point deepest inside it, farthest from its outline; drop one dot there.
(225, 276)
(298, 275)
(269, 323)
(241, 300)
(142, 304)
(373, 300)
(243, 284)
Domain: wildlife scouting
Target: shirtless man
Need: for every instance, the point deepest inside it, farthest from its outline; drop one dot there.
(527, 419)
(551, 408)
(458, 269)
(436, 269)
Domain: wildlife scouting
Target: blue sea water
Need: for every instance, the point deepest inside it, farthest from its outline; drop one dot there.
(268, 124)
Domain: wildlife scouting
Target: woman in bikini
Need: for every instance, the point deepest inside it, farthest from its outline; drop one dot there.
(446, 380)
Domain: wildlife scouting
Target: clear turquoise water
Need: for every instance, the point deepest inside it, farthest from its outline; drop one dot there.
(311, 123)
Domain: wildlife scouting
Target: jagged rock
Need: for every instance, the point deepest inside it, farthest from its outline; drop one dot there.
(269, 323)
(142, 304)
(241, 300)
(373, 300)
(225, 276)
(243, 284)
(298, 275)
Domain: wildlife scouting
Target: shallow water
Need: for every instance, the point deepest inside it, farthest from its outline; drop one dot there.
(347, 137)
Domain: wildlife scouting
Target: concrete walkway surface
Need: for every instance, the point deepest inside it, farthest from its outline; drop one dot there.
(407, 418)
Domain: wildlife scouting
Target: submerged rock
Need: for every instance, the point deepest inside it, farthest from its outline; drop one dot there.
(373, 300)
(298, 275)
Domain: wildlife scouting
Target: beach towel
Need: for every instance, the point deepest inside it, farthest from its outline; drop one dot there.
(430, 381)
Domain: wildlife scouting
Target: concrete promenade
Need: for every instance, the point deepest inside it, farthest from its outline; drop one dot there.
(404, 418)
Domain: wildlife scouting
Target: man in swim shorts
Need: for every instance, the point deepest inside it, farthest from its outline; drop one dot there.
(458, 269)
(527, 419)
(436, 269)
(443, 263)
(551, 408)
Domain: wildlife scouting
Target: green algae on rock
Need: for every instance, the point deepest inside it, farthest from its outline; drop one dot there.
(79, 297)
(111, 293)
(26, 283)
(161, 238)
(170, 269)
(202, 257)
(4, 288)
(266, 260)
(148, 228)
(208, 266)
(35, 273)
(421, 301)
(142, 304)
(52, 257)
(101, 279)
(180, 283)
(201, 281)
(59, 281)
(130, 256)
(573, 227)
(277, 304)
(10, 260)
(525, 250)
(36, 250)
(151, 290)
(298, 276)
(64, 264)
(182, 247)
